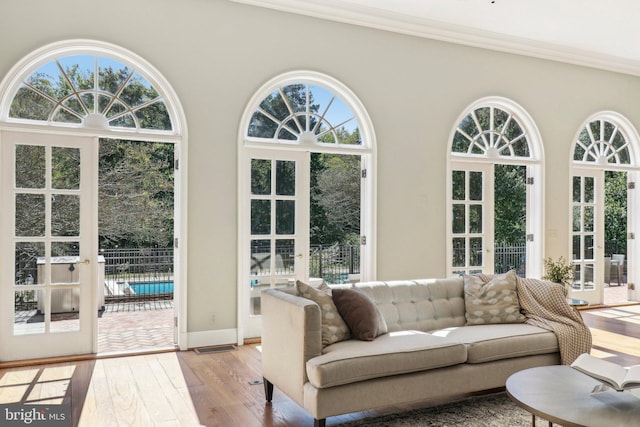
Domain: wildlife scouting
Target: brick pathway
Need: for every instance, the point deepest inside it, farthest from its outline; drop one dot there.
(135, 327)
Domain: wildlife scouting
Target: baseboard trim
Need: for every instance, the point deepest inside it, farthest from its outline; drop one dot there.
(211, 338)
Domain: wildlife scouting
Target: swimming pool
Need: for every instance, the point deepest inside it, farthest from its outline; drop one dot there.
(143, 288)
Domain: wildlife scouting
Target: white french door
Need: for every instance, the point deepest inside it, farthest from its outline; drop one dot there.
(275, 226)
(471, 219)
(48, 233)
(587, 242)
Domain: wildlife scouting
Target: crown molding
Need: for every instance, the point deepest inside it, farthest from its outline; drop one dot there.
(372, 17)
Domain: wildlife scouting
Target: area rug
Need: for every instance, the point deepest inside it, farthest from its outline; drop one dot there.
(494, 410)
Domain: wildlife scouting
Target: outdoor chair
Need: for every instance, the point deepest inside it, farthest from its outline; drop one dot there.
(617, 265)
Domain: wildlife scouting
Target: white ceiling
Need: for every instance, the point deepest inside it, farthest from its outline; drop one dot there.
(597, 33)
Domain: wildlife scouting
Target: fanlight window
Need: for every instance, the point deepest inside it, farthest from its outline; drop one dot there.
(602, 142)
(91, 91)
(491, 132)
(303, 112)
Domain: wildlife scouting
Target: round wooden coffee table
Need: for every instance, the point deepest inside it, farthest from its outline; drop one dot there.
(563, 395)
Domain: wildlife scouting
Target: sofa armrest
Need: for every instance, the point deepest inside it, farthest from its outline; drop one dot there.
(291, 335)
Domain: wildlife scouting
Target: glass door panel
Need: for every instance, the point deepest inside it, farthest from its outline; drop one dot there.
(46, 182)
(471, 220)
(587, 236)
(278, 197)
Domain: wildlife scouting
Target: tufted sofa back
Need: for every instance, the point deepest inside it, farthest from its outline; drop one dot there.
(421, 305)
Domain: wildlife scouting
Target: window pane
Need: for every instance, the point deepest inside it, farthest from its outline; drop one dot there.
(30, 215)
(285, 216)
(260, 257)
(27, 255)
(65, 249)
(577, 279)
(30, 166)
(154, 116)
(261, 126)
(65, 310)
(138, 91)
(460, 143)
(65, 215)
(589, 284)
(576, 247)
(588, 189)
(285, 256)
(285, 178)
(260, 216)
(475, 251)
(475, 185)
(459, 252)
(458, 219)
(595, 129)
(30, 105)
(577, 180)
(468, 126)
(458, 184)
(475, 219)
(588, 247)
(588, 218)
(260, 176)
(65, 165)
(26, 319)
(577, 218)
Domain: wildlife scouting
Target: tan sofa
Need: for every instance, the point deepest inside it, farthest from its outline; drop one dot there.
(428, 352)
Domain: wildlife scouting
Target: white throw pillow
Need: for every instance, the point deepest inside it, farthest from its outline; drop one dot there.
(495, 301)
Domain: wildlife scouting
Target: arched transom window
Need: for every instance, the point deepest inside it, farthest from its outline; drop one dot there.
(602, 142)
(490, 131)
(307, 113)
(92, 91)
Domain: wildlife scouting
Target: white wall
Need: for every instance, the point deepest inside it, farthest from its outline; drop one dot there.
(216, 54)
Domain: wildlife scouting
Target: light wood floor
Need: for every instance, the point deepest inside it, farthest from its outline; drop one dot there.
(190, 389)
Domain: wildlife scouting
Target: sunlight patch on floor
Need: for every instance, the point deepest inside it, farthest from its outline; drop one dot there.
(143, 390)
(615, 342)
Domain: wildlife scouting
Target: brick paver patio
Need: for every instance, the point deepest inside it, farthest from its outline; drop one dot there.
(135, 327)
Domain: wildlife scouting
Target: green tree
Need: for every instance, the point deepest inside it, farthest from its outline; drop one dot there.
(135, 194)
(510, 204)
(336, 195)
(615, 209)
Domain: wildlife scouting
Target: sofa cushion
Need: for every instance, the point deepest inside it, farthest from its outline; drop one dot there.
(390, 354)
(359, 313)
(419, 305)
(486, 343)
(495, 301)
(334, 329)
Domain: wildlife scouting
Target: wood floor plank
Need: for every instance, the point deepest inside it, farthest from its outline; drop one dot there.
(127, 402)
(148, 388)
(103, 412)
(176, 392)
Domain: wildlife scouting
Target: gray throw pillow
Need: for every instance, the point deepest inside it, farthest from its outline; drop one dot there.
(495, 301)
(360, 313)
(334, 329)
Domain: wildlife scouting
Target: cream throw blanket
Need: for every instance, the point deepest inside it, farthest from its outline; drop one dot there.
(544, 305)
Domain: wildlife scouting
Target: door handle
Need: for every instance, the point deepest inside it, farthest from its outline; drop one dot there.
(84, 261)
